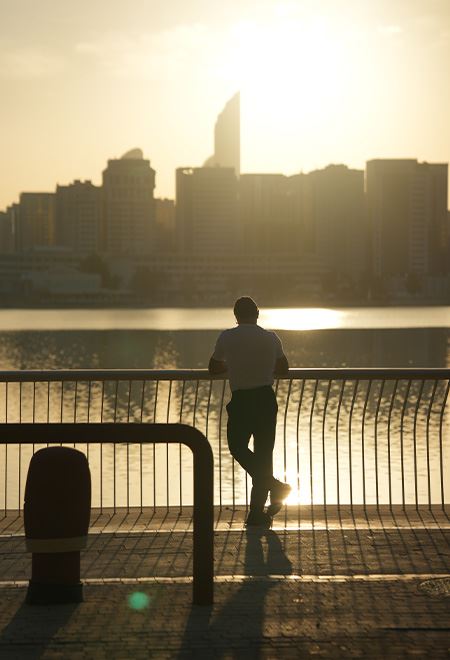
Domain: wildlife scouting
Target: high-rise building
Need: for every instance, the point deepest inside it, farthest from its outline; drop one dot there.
(227, 137)
(165, 224)
(407, 205)
(77, 219)
(128, 207)
(330, 207)
(265, 214)
(35, 221)
(6, 233)
(206, 210)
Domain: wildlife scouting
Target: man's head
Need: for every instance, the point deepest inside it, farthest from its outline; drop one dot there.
(246, 310)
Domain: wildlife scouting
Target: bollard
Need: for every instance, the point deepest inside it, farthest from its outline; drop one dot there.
(56, 519)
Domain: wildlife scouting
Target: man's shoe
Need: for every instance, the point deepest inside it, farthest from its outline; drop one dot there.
(278, 494)
(259, 519)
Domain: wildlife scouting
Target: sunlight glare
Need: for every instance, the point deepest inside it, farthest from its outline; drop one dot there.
(290, 69)
(301, 319)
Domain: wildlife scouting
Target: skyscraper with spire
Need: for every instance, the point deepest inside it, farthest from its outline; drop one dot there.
(227, 137)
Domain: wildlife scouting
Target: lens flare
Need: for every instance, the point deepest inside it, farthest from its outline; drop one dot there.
(138, 600)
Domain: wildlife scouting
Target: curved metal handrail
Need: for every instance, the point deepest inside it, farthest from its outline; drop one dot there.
(203, 527)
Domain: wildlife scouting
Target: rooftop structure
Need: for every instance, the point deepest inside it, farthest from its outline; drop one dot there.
(227, 137)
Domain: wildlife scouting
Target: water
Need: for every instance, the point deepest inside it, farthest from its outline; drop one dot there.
(306, 318)
(177, 338)
(184, 338)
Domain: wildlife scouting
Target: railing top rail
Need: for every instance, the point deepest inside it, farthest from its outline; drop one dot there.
(338, 374)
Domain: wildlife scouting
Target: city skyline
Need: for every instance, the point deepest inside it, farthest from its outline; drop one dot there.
(336, 232)
(126, 156)
(318, 84)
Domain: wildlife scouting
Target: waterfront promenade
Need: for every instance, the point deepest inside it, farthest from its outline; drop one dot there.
(324, 583)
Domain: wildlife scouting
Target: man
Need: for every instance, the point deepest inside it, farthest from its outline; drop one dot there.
(252, 356)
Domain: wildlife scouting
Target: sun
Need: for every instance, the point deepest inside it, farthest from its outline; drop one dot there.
(287, 70)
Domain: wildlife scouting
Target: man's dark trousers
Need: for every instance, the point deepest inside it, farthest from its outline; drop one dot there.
(254, 412)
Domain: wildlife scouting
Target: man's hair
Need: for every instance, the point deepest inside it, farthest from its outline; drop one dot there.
(245, 308)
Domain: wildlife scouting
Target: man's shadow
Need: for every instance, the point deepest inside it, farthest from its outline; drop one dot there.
(242, 616)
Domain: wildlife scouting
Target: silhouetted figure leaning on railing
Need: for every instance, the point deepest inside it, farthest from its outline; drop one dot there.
(251, 357)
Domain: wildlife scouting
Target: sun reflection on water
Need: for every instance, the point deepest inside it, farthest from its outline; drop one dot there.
(307, 318)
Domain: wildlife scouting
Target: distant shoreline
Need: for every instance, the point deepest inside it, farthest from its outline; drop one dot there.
(328, 304)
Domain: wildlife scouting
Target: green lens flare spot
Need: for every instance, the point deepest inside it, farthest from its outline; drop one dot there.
(138, 600)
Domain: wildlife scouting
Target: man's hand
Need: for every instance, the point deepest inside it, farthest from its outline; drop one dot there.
(216, 367)
(281, 366)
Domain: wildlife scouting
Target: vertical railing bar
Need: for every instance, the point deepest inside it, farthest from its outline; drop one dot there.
(430, 407)
(441, 458)
(324, 469)
(181, 446)
(88, 415)
(114, 447)
(207, 413)
(141, 477)
(75, 403)
(6, 448)
(310, 443)
(350, 448)
(208, 405)
(246, 491)
(101, 447)
(416, 412)
(156, 401)
(380, 396)
(363, 441)
(115, 401)
(394, 391)
(89, 401)
(195, 403)
(144, 382)
(233, 482)
(34, 408)
(288, 396)
(298, 441)
(183, 389)
(154, 445)
(61, 411)
(167, 445)
(20, 447)
(48, 403)
(220, 443)
(338, 414)
(129, 402)
(128, 447)
(402, 417)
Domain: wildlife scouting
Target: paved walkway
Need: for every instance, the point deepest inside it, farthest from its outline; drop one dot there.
(349, 585)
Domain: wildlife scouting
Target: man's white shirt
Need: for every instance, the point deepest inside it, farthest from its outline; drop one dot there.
(250, 353)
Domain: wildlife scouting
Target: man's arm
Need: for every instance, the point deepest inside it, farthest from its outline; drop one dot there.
(216, 367)
(281, 366)
(217, 364)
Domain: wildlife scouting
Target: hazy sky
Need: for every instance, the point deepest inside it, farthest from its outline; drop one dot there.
(321, 81)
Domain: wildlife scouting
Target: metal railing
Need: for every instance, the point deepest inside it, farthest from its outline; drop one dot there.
(142, 434)
(344, 436)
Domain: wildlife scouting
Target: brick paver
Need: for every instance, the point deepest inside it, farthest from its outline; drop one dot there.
(328, 590)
